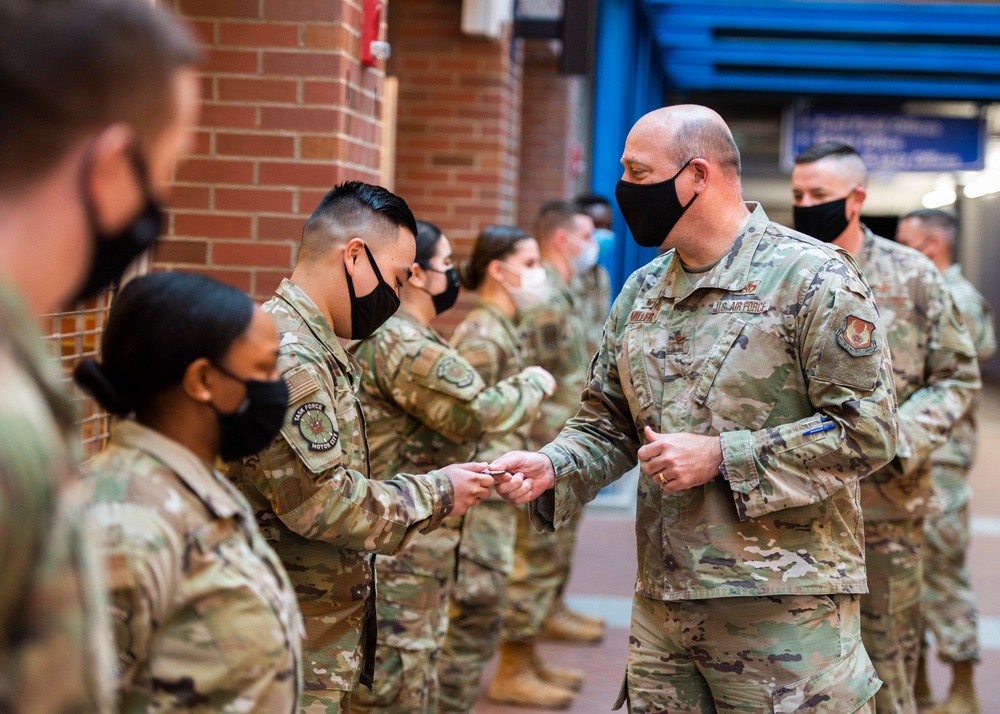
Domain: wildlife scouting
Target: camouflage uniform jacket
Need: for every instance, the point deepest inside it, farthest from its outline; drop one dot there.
(316, 504)
(960, 450)
(754, 350)
(934, 369)
(426, 406)
(555, 337)
(205, 618)
(593, 293)
(55, 650)
(488, 340)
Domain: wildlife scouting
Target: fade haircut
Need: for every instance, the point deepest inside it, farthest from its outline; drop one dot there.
(354, 210)
(555, 215)
(72, 67)
(702, 137)
(934, 219)
(838, 150)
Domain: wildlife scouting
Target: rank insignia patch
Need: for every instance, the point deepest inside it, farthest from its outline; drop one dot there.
(315, 426)
(454, 372)
(857, 336)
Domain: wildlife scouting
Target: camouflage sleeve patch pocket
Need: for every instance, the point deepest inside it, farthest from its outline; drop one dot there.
(311, 427)
(852, 342)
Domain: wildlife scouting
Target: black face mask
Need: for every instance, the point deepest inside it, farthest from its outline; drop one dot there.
(370, 311)
(651, 209)
(114, 252)
(824, 222)
(253, 425)
(446, 300)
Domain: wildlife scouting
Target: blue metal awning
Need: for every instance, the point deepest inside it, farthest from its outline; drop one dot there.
(805, 47)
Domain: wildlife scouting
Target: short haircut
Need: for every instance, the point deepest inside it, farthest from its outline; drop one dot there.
(72, 67)
(827, 148)
(936, 220)
(555, 215)
(704, 138)
(586, 200)
(354, 210)
(492, 243)
(158, 325)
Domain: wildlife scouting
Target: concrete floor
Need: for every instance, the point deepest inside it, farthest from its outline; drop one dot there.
(604, 573)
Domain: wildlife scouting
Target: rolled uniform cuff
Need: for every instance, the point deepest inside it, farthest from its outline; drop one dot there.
(444, 499)
(740, 470)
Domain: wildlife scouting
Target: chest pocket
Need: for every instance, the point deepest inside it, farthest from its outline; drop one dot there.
(632, 367)
(743, 375)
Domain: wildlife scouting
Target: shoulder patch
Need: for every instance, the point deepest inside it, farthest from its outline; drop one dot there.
(455, 371)
(857, 336)
(315, 426)
(301, 383)
(426, 360)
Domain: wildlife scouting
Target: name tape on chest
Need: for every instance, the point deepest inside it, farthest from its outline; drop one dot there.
(315, 426)
(642, 316)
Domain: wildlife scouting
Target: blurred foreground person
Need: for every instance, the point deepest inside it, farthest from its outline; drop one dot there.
(425, 407)
(949, 603)
(204, 616)
(97, 100)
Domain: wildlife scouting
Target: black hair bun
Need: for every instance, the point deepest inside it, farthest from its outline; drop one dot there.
(92, 378)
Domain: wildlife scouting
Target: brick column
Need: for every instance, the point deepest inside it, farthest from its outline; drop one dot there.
(287, 113)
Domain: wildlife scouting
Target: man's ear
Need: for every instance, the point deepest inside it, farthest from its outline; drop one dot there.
(199, 380)
(352, 251)
(110, 181)
(418, 276)
(702, 171)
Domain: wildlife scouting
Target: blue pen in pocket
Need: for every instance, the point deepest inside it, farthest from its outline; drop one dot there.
(822, 427)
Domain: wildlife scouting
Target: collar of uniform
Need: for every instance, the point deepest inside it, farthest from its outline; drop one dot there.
(952, 272)
(505, 322)
(556, 281)
(204, 482)
(427, 330)
(732, 273)
(303, 305)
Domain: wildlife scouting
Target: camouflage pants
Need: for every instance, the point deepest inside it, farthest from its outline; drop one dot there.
(412, 621)
(541, 566)
(891, 624)
(325, 701)
(782, 653)
(949, 605)
(477, 599)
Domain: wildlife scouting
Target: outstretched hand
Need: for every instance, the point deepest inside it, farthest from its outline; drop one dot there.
(471, 485)
(522, 476)
(677, 462)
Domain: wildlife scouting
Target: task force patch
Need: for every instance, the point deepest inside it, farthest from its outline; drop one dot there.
(315, 426)
(857, 336)
(455, 372)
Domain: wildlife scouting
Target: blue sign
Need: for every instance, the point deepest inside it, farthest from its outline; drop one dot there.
(889, 142)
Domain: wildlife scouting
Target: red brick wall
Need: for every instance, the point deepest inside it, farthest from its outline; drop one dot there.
(458, 132)
(287, 113)
(551, 131)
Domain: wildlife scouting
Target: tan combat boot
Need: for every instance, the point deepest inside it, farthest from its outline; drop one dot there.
(517, 683)
(962, 697)
(922, 687)
(566, 677)
(564, 625)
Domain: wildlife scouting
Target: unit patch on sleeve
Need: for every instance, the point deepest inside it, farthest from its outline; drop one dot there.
(315, 426)
(857, 336)
(455, 372)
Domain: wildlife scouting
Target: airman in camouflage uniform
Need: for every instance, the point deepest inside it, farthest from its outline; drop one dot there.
(425, 406)
(205, 617)
(936, 377)
(311, 488)
(949, 603)
(554, 337)
(55, 651)
(725, 370)
(89, 88)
